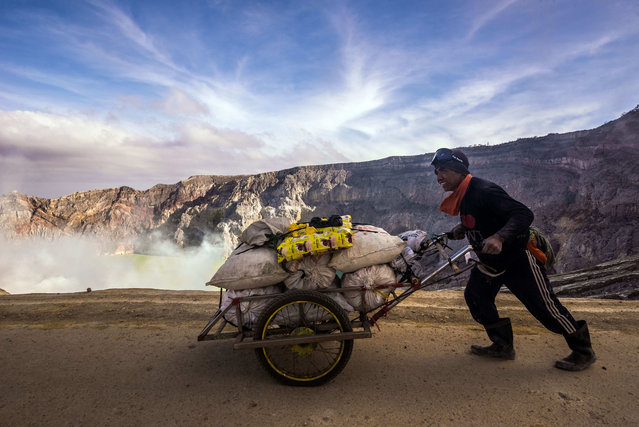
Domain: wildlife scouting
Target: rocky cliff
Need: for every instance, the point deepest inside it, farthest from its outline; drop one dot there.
(583, 187)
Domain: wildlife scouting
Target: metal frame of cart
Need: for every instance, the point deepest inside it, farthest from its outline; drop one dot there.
(304, 337)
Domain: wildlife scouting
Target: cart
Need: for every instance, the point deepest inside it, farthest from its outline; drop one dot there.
(304, 338)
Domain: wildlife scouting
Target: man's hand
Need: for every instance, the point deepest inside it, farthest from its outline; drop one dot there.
(492, 245)
(457, 233)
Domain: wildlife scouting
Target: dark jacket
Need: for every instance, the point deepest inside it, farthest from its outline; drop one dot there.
(487, 209)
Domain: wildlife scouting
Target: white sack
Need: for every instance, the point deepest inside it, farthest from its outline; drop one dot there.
(249, 267)
(255, 234)
(400, 264)
(368, 278)
(341, 301)
(290, 315)
(421, 264)
(250, 309)
(310, 272)
(414, 238)
(371, 246)
(417, 262)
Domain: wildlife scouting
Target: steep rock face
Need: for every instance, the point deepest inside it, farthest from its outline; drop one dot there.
(583, 187)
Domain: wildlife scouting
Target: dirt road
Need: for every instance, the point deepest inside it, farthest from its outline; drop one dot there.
(130, 357)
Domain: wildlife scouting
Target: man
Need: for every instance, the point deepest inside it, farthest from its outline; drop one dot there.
(497, 227)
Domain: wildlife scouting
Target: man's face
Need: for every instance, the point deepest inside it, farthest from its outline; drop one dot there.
(448, 179)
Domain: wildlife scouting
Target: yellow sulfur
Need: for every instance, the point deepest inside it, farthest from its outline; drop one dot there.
(304, 240)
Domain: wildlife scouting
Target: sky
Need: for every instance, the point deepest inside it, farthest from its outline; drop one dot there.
(100, 94)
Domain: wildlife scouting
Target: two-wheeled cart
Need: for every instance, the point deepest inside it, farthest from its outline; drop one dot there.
(304, 337)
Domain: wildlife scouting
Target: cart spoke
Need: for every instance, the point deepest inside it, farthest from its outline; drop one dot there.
(305, 360)
(300, 314)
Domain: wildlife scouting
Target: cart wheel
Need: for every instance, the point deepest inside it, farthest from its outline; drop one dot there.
(299, 313)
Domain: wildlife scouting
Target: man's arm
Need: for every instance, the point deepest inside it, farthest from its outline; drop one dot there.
(517, 219)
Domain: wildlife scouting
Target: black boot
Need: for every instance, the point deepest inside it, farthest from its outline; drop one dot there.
(501, 334)
(582, 354)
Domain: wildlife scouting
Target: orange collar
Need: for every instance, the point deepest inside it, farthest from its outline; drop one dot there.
(452, 202)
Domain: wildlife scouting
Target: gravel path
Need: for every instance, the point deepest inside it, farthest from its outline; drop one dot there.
(130, 357)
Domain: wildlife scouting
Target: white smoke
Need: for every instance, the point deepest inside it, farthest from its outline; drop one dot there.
(73, 264)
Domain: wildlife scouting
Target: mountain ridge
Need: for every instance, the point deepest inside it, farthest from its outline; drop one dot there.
(583, 187)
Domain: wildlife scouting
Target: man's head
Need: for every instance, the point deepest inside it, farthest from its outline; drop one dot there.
(455, 160)
(451, 167)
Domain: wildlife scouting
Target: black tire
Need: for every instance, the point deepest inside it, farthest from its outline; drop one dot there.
(299, 313)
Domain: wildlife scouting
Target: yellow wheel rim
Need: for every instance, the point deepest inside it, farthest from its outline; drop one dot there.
(303, 349)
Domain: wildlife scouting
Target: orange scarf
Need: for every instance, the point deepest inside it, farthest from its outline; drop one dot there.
(452, 202)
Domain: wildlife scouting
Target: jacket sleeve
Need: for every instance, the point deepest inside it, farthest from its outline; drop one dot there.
(515, 215)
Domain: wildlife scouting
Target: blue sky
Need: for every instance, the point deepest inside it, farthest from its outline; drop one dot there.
(99, 94)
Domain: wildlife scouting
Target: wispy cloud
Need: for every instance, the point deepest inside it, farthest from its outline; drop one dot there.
(125, 26)
(241, 88)
(179, 103)
(76, 143)
(485, 17)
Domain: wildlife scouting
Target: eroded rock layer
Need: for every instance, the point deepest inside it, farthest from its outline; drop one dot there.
(583, 187)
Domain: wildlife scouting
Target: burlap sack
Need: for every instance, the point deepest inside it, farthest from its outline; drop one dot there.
(414, 238)
(249, 267)
(371, 246)
(311, 272)
(251, 309)
(255, 234)
(368, 278)
(341, 301)
(421, 264)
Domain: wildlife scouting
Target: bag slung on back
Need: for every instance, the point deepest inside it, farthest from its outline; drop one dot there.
(539, 246)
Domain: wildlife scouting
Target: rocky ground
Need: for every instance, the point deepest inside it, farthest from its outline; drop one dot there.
(130, 357)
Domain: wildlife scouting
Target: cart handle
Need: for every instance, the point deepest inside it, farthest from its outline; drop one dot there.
(426, 281)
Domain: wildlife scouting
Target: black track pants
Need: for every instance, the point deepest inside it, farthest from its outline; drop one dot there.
(527, 280)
